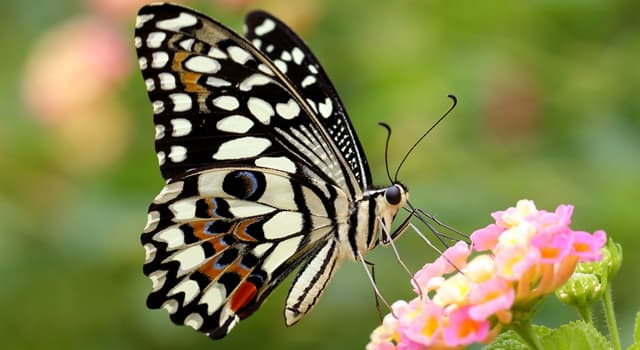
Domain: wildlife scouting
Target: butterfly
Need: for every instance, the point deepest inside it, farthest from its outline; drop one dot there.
(264, 171)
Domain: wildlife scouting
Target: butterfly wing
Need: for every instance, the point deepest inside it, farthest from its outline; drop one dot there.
(294, 59)
(255, 184)
(220, 240)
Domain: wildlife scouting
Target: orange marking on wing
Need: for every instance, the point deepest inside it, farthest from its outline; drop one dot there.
(242, 296)
(212, 207)
(189, 79)
(239, 230)
(211, 271)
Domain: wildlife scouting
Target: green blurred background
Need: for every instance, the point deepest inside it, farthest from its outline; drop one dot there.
(548, 111)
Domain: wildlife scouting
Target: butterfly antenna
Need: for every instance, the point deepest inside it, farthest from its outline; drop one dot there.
(454, 101)
(386, 149)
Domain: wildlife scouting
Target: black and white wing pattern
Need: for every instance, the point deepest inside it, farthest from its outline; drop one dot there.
(294, 59)
(263, 170)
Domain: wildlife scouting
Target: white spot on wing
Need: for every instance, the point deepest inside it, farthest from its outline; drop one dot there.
(159, 131)
(217, 53)
(171, 306)
(217, 82)
(155, 39)
(260, 109)
(188, 258)
(266, 26)
(167, 81)
(242, 208)
(194, 320)
(214, 296)
(260, 249)
(263, 68)
(283, 251)
(254, 80)
(288, 110)
(137, 41)
(243, 147)
(158, 278)
(183, 210)
(153, 217)
(158, 107)
(238, 54)
(308, 80)
(256, 43)
(279, 163)
(283, 224)
(281, 66)
(151, 85)
(187, 44)
(159, 59)
(228, 103)
(286, 56)
(178, 154)
(297, 54)
(172, 236)
(142, 19)
(149, 252)
(169, 192)
(181, 127)
(202, 64)
(326, 108)
(161, 157)
(235, 123)
(187, 286)
(142, 63)
(178, 23)
(181, 102)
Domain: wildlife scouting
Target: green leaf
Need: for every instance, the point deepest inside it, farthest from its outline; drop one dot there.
(576, 336)
(572, 336)
(507, 340)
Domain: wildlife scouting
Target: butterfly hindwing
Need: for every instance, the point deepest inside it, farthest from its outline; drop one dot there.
(216, 246)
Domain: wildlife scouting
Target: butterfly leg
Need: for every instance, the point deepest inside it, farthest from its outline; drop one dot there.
(373, 279)
(391, 237)
(373, 283)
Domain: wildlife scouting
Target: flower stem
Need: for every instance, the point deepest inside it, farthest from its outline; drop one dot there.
(525, 331)
(586, 314)
(610, 315)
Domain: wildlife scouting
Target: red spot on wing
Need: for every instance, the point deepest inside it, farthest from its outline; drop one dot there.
(242, 296)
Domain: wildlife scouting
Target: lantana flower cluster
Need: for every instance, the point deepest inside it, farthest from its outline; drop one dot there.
(471, 292)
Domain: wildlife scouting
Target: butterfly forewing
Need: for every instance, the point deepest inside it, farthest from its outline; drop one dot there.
(218, 99)
(255, 182)
(293, 58)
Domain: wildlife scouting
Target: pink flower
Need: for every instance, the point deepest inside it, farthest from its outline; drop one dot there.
(465, 298)
(74, 65)
(426, 326)
(552, 247)
(430, 276)
(490, 297)
(462, 329)
(486, 238)
(587, 246)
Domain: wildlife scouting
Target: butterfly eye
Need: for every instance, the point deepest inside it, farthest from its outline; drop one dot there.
(393, 195)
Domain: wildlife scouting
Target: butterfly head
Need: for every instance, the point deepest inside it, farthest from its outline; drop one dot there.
(389, 200)
(396, 195)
